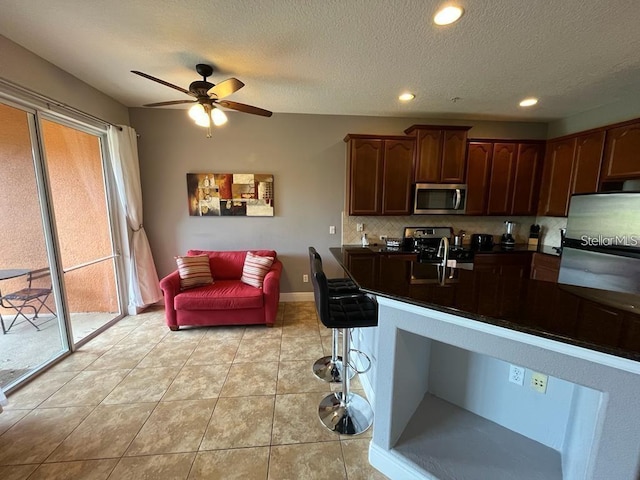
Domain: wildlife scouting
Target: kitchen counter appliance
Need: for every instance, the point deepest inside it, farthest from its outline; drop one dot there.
(439, 198)
(481, 242)
(601, 247)
(507, 240)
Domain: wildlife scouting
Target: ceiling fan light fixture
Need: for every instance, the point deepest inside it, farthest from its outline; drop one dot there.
(199, 115)
(448, 15)
(218, 116)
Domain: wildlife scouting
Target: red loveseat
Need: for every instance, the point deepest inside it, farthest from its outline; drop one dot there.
(227, 301)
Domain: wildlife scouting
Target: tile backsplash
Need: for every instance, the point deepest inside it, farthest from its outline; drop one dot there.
(394, 226)
(551, 229)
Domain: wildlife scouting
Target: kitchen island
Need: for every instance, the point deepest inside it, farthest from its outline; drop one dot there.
(439, 380)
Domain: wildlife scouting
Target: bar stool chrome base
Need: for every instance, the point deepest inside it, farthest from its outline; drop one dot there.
(348, 418)
(327, 369)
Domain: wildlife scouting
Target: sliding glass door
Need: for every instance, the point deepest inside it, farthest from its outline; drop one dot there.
(59, 268)
(32, 332)
(78, 192)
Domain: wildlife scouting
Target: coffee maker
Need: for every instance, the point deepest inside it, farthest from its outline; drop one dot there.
(507, 240)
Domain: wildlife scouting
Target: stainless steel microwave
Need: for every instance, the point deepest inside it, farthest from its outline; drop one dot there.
(439, 198)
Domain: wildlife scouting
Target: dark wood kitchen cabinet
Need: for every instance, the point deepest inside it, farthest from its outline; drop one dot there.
(571, 165)
(397, 176)
(479, 156)
(362, 263)
(587, 162)
(512, 264)
(556, 177)
(440, 153)
(621, 159)
(501, 282)
(503, 178)
(380, 172)
(526, 182)
(545, 267)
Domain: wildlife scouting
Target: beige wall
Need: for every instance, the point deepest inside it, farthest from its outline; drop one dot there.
(26, 69)
(305, 153)
(625, 109)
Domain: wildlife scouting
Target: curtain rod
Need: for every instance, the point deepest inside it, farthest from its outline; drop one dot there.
(50, 101)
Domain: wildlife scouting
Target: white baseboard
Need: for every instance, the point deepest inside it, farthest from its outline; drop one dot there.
(394, 465)
(297, 297)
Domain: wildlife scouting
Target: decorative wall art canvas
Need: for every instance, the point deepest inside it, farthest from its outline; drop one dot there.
(230, 194)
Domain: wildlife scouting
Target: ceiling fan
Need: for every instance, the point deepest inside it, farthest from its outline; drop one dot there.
(208, 98)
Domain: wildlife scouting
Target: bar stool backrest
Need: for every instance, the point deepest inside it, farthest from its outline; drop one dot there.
(320, 292)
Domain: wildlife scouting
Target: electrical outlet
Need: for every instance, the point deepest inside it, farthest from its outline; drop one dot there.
(359, 227)
(305, 278)
(332, 230)
(539, 382)
(516, 374)
(383, 238)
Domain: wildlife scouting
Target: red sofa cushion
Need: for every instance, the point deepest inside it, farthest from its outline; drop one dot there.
(222, 295)
(227, 265)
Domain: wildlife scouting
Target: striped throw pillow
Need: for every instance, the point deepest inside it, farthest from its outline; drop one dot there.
(194, 271)
(255, 268)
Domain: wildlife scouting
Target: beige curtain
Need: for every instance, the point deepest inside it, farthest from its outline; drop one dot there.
(144, 286)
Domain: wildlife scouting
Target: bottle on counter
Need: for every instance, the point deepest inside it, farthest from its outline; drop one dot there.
(365, 240)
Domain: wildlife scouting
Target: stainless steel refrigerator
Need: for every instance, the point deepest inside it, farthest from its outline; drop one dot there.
(601, 248)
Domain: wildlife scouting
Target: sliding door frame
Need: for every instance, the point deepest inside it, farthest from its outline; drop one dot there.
(114, 220)
(38, 110)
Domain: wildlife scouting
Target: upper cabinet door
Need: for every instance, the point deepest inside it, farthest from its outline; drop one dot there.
(501, 179)
(526, 185)
(587, 162)
(440, 153)
(397, 176)
(428, 156)
(454, 143)
(365, 172)
(622, 157)
(556, 178)
(478, 169)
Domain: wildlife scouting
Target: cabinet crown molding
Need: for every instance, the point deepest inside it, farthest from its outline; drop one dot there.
(413, 128)
(352, 136)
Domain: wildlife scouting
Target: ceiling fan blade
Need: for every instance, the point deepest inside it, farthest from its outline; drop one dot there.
(171, 102)
(162, 82)
(226, 87)
(241, 107)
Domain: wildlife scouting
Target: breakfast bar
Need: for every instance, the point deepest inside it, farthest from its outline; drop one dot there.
(446, 402)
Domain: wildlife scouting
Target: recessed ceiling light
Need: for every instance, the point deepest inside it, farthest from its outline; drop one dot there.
(528, 102)
(447, 15)
(405, 97)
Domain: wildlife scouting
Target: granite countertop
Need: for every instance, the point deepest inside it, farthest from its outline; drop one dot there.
(519, 247)
(522, 247)
(605, 321)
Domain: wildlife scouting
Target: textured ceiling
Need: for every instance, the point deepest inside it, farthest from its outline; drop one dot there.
(350, 57)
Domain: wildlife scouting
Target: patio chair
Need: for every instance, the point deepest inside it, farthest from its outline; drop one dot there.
(30, 298)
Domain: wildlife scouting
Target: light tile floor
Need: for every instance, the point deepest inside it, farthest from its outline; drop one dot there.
(142, 402)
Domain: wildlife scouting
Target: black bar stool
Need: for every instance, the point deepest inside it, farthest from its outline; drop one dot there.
(344, 412)
(330, 368)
